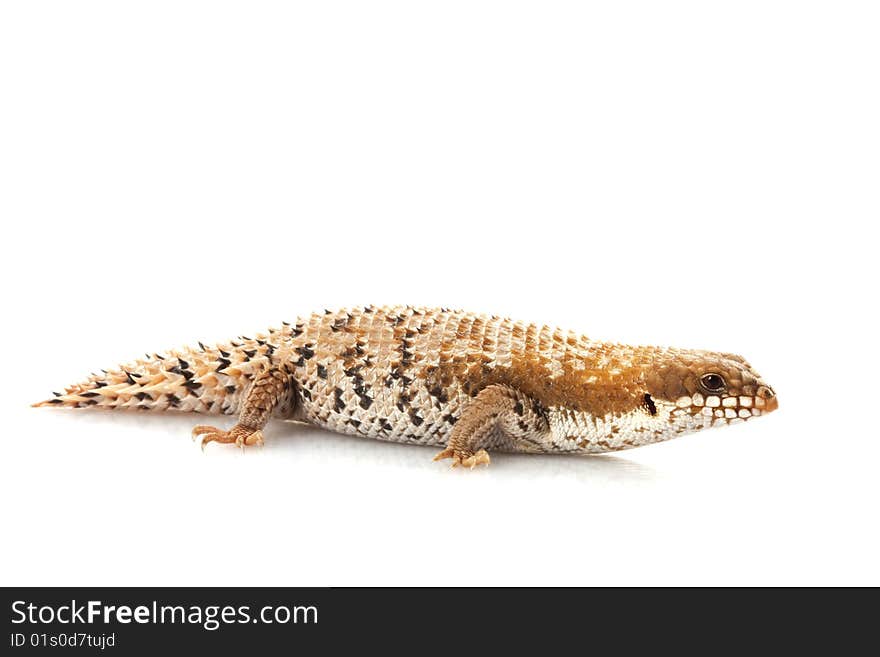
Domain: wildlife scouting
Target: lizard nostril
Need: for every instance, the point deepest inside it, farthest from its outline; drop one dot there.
(766, 392)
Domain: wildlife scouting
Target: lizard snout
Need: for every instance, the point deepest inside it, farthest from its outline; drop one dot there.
(771, 403)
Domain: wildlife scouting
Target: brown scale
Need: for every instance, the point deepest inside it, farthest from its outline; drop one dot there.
(429, 376)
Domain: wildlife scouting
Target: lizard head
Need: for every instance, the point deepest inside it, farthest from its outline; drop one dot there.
(699, 389)
(631, 396)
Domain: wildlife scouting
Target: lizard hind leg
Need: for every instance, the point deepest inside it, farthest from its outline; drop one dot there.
(498, 417)
(269, 390)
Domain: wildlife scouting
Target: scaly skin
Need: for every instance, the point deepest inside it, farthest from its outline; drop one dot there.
(466, 382)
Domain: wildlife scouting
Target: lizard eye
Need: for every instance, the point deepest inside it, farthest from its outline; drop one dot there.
(712, 382)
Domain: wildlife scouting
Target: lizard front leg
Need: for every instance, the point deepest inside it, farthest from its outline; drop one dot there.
(499, 417)
(267, 391)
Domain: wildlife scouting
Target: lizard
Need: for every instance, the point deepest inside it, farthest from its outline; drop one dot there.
(467, 383)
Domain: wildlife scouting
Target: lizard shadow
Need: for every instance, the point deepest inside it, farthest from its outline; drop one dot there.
(323, 443)
(302, 442)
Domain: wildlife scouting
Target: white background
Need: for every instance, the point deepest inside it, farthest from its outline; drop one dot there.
(688, 173)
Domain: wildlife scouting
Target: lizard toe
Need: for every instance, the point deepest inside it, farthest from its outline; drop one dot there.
(240, 436)
(463, 457)
(445, 454)
(481, 457)
(201, 429)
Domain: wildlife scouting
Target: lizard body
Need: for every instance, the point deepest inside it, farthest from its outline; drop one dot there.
(462, 381)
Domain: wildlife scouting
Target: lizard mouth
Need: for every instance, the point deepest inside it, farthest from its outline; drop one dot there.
(734, 406)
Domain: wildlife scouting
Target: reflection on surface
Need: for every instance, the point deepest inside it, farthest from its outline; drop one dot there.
(302, 443)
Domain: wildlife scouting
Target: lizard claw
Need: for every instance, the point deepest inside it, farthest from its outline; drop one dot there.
(464, 458)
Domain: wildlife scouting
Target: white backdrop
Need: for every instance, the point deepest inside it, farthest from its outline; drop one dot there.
(676, 173)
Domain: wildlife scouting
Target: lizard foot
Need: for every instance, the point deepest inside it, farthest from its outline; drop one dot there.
(464, 458)
(240, 435)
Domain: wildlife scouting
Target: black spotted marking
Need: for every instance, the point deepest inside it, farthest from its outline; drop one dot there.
(141, 396)
(56, 401)
(95, 394)
(518, 408)
(406, 354)
(339, 403)
(173, 400)
(186, 374)
(385, 425)
(249, 353)
(305, 353)
(415, 418)
(355, 423)
(650, 405)
(322, 371)
(225, 354)
(131, 376)
(306, 394)
(98, 384)
(230, 389)
(359, 386)
(192, 386)
(223, 364)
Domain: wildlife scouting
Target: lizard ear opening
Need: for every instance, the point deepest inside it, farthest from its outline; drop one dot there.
(650, 405)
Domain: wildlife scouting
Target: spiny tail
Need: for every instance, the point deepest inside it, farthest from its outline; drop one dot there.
(200, 380)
